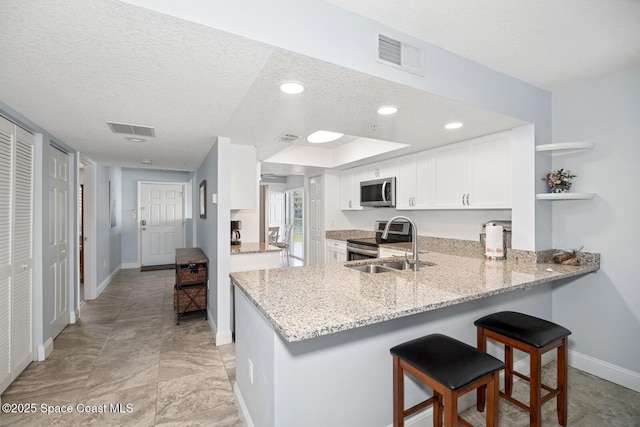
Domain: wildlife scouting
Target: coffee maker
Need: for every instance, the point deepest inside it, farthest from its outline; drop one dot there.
(236, 226)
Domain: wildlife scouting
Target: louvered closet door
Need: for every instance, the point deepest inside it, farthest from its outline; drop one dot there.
(16, 251)
(23, 251)
(7, 130)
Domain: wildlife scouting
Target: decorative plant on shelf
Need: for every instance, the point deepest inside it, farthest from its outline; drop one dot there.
(559, 181)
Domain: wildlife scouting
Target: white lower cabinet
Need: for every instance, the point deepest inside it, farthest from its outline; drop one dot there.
(336, 251)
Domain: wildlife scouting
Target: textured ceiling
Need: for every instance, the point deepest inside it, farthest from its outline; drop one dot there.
(547, 43)
(72, 65)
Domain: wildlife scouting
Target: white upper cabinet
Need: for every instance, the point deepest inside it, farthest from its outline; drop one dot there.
(415, 183)
(350, 189)
(385, 169)
(449, 176)
(474, 174)
(489, 169)
(244, 177)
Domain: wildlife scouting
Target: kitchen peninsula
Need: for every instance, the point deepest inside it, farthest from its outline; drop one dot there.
(312, 343)
(254, 255)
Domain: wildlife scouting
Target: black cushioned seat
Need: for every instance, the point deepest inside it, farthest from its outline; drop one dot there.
(452, 363)
(522, 327)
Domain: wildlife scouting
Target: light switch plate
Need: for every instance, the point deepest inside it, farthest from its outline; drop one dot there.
(214, 198)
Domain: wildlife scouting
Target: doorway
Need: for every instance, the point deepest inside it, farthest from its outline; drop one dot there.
(286, 207)
(161, 215)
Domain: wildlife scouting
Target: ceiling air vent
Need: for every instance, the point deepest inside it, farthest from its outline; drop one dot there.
(132, 129)
(288, 137)
(400, 55)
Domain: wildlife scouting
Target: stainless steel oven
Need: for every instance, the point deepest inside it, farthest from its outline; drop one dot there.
(361, 249)
(368, 247)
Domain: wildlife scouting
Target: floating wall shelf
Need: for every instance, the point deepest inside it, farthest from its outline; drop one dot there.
(560, 148)
(565, 196)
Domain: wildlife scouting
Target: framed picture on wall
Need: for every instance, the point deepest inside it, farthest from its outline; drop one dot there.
(203, 199)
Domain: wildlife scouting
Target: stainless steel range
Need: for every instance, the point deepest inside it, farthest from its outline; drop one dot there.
(367, 248)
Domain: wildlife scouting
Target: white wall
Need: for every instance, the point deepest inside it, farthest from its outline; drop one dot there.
(603, 309)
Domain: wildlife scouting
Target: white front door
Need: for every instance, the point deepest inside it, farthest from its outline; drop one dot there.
(161, 222)
(316, 250)
(58, 240)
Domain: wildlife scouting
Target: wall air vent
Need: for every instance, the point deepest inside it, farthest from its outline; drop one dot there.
(132, 129)
(288, 137)
(400, 55)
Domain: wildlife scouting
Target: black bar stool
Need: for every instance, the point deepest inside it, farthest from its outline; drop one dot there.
(451, 368)
(533, 336)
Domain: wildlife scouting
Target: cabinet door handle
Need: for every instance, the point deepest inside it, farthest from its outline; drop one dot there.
(463, 203)
(350, 203)
(468, 204)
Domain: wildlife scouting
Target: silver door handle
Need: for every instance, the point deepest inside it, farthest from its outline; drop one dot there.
(384, 185)
(468, 204)
(463, 199)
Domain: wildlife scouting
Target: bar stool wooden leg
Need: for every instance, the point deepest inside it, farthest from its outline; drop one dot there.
(535, 389)
(450, 403)
(562, 399)
(508, 370)
(493, 411)
(437, 410)
(398, 393)
(481, 392)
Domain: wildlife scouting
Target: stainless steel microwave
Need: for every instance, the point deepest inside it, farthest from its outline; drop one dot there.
(378, 192)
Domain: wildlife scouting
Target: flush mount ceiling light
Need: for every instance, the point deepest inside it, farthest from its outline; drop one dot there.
(386, 110)
(292, 88)
(453, 125)
(135, 139)
(146, 161)
(322, 136)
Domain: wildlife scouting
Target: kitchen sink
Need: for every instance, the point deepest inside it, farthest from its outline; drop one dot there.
(404, 265)
(385, 267)
(371, 268)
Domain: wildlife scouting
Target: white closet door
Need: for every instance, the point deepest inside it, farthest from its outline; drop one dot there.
(16, 251)
(58, 240)
(23, 252)
(7, 130)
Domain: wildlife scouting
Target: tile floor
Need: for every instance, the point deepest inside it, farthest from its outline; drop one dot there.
(127, 349)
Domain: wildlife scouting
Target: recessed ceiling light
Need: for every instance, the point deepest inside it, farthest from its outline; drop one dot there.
(322, 136)
(453, 125)
(146, 161)
(135, 139)
(386, 110)
(292, 88)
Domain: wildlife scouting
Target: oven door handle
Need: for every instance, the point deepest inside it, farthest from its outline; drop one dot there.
(362, 251)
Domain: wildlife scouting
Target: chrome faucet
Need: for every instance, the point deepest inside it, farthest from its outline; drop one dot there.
(414, 238)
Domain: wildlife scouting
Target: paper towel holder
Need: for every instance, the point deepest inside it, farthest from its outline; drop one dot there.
(506, 234)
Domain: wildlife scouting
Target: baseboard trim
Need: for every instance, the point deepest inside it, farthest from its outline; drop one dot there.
(127, 265)
(108, 280)
(44, 350)
(219, 337)
(74, 315)
(605, 370)
(246, 418)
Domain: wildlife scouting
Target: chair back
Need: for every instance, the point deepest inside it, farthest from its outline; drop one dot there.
(287, 234)
(273, 234)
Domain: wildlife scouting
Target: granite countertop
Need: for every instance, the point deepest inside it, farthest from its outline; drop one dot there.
(306, 302)
(253, 248)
